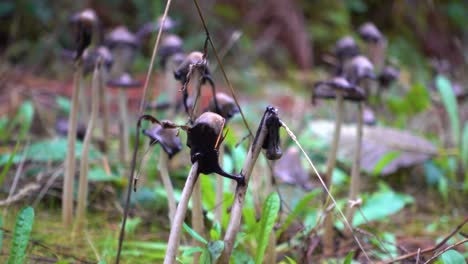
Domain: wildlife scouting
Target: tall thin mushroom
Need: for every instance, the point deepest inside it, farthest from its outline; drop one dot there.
(84, 24)
(340, 89)
(124, 82)
(376, 43)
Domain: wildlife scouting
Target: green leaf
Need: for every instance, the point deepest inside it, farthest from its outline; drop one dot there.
(384, 161)
(55, 150)
(9, 162)
(192, 250)
(21, 235)
(290, 260)
(64, 105)
(349, 258)
(380, 205)
(215, 248)
(194, 234)
(269, 214)
(450, 103)
(452, 257)
(464, 147)
(301, 208)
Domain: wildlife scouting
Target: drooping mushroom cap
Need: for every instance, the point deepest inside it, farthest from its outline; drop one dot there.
(327, 90)
(121, 36)
(370, 33)
(84, 22)
(346, 48)
(204, 133)
(90, 57)
(193, 58)
(170, 45)
(359, 68)
(167, 137)
(227, 106)
(388, 75)
(124, 81)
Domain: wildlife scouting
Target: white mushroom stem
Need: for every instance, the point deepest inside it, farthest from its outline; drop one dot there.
(124, 134)
(219, 190)
(329, 234)
(105, 111)
(174, 236)
(164, 171)
(69, 175)
(356, 169)
(84, 164)
(241, 191)
(195, 79)
(171, 85)
(84, 107)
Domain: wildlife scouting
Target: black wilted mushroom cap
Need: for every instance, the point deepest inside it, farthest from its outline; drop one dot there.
(346, 48)
(272, 140)
(61, 127)
(370, 33)
(193, 58)
(91, 55)
(124, 81)
(327, 90)
(359, 68)
(121, 36)
(388, 75)
(227, 105)
(170, 45)
(84, 22)
(167, 137)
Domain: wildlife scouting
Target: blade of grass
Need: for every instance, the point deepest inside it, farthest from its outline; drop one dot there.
(450, 103)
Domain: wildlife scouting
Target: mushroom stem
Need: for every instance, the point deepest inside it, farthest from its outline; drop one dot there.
(164, 171)
(241, 190)
(105, 111)
(196, 93)
(355, 171)
(171, 85)
(84, 107)
(219, 190)
(84, 164)
(174, 236)
(124, 135)
(69, 176)
(329, 234)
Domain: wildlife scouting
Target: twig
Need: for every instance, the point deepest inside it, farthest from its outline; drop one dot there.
(174, 236)
(19, 170)
(27, 190)
(47, 186)
(430, 249)
(153, 56)
(345, 220)
(445, 250)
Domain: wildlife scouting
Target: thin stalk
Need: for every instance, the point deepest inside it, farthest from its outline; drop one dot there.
(219, 190)
(356, 169)
(174, 236)
(69, 176)
(171, 86)
(196, 93)
(164, 171)
(84, 107)
(105, 111)
(329, 232)
(241, 191)
(124, 135)
(84, 164)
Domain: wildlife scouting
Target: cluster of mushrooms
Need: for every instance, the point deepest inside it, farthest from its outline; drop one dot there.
(354, 81)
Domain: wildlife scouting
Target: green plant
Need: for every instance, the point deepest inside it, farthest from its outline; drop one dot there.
(269, 215)
(21, 235)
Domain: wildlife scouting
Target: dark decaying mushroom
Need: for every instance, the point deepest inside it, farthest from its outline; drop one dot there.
(223, 105)
(167, 137)
(204, 139)
(85, 23)
(272, 140)
(195, 58)
(388, 75)
(359, 68)
(346, 48)
(327, 90)
(90, 57)
(123, 45)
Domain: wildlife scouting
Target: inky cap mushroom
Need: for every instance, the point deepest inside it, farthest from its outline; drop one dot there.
(121, 36)
(204, 139)
(167, 137)
(227, 107)
(124, 81)
(170, 45)
(194, 58)
(272, 139)
(84, 22)
(370, 33)
(346, 48)
(90, 57)
(359, 68)
(151, 27)
(388, 75)
(327, 90)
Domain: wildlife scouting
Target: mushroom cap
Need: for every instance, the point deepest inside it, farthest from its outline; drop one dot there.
(124, 81)
(388, 75)
(121, 36)
(167, 137)
(170, 45)
(327, 90)
(360, 67)
(368, 116)
(204, 133)
(90, 57)
(84, 23)
(169, 23)
(226, 104)
(194, 57)
(370, 33)
(86, 17)
(346, 48)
